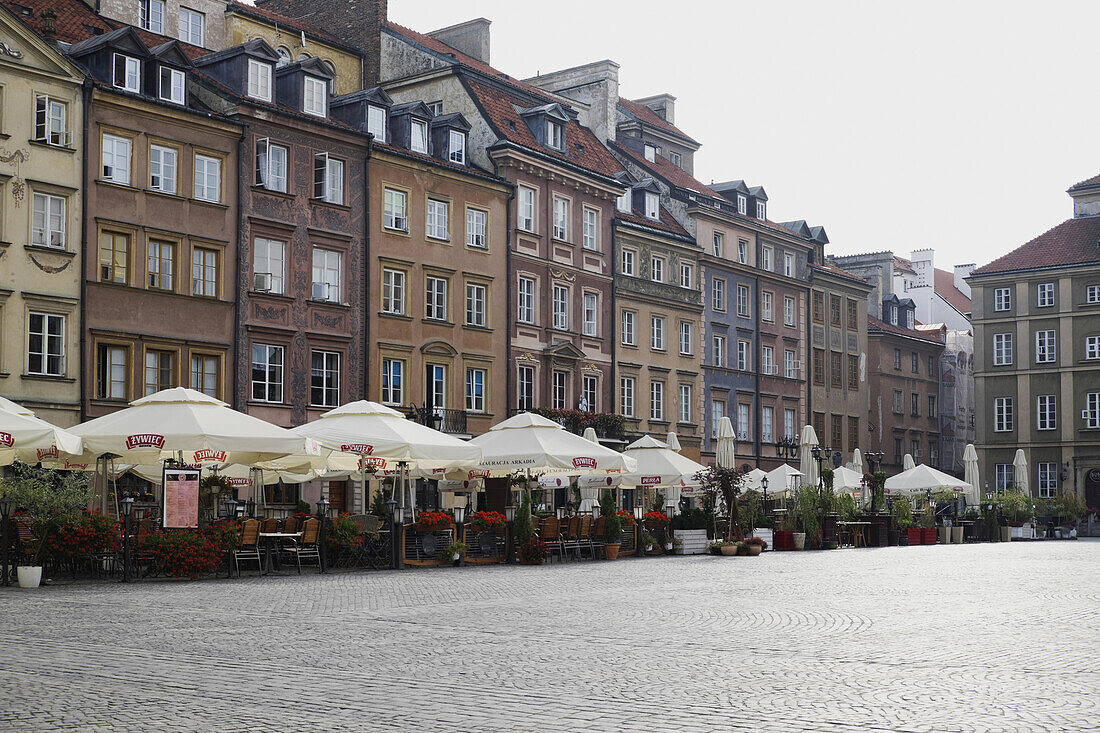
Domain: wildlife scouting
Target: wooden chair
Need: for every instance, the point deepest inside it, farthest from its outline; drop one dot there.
(596, 538)
(549, 533)
(584, 537)
(307, 546)
(290, 525)
(248, 548)
(570, 532)
(269, 525)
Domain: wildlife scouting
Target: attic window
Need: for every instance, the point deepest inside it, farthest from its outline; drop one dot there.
(457, 147)
(651, 152)
(259, 80)
(674, 158)
(418, 137)
(376, 122)
(623, 203)
(127, 73)
(172, 85)
(315, 96)
(553, 134)
(742, 205)
(761, 210)
(511, 124)
(652, 205)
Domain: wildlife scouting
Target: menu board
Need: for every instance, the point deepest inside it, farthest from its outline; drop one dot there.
(181, 497)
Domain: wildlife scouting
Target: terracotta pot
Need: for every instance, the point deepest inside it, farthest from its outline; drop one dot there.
(755, 550)
(611, 551)
(728, 550)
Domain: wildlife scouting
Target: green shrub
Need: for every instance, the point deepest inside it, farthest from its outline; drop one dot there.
(902, 514)
(613, 524)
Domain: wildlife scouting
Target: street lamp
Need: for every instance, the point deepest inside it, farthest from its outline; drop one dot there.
(5, 512)
(127, 509)
(509, 544)
(764, 486)
(397, 529)
(322, 512)
(786, 447)
(560, 513)
(460, 536)
(670, 512)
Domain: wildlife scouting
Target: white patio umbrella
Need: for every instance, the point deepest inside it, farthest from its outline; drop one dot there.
(724, 450)
(1019, 472)
(970, 474)
(531, 443)
(857, 461)
(923, 478)
(32, 440)
(907, 463)
(807, 464)
(18, 409)
(752, 480)
(660, 466)
(846, 480)
(783, 479)
(673, 442)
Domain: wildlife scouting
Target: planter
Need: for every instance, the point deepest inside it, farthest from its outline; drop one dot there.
(799, 540)
(895, 537)
(668, 547)
(30, 576)
(611, 550)
(728, 550)
(957, 535)
(692, 541)
(784, 540)
(1006, 534)
(755, 550)
(928, 535)
(945, 535)
(914, 536)
(765, 534)
(903, 539)
(530, 562)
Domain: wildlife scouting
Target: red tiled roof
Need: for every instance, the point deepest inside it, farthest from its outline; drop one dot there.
(874, 324)
(901, 263)
(945, 288)
(583, 148)
(667, 223)
(1073, 242)
(649, 117)
(75, 20)
(288, 22)
(1094, 181)
(469, 169)
(672, 174)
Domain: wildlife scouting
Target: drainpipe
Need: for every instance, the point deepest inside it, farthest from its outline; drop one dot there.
(610, 409)
(366, 268)
(756, 369)
(86, 100)
(242, 266)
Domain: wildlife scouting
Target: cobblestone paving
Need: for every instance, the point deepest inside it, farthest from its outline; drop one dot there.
(937, 639)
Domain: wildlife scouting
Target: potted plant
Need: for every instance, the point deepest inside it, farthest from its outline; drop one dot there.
(533, 552)
(755, 546)
(901, 512)
(783, 538)
(613, 525)
(807, 507)
(720, 484)
(658, 523)
(50, 499)
(728, 548)
(454, 553)
(646, 540)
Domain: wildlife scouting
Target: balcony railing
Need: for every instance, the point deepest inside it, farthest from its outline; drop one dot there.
(439, 418)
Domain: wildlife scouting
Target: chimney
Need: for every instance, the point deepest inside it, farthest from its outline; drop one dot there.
(662, 104)
(923, 267)
(471, 38)
(595, 87)
(49, 26)
(962, 272)
(357, 22)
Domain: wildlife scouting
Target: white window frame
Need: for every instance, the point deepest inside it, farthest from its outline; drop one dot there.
(1003, 418)
(328, 271)
(159, 254)
(788, 265)
(555, 134)
(626, 395)
(51, 351)
(590, 237)
(115, 149)
(150, 20)
(717, 412)
(742, 205)
(1047, 472)
(48, 220)
(271, 165)
(627, 262)
(269, 258)
(788, 311)
(652, 206)
(211, 169)
(687, 275)
(475, 389)
(1046, 348)
(561, 218)
(163, 168)
(456, 147)
(393, 381)
(1092, 347)
(525, 203)
(767, 424)
(328, 179)
(203, 262)
(767, 306)
(743, 251)
(766, 258)
(657, 269)
(790, 370)
(329, 374)
(476, 296)
(395, 208)
(1092, 294)
(761, 210)
(1002, 349)
(1044, 295)
(788, 422)
(259, 80)
(657, 400)
(559, 389)
(657, 333)
(477, 228)
(743, 421)
(437, 220)
(185, 21)
(435, 297)
(525, 300)
(719, 244)
(1003, 476)
(1002, 299)
(718, 350)
(418, 136)
(1046, 412)
(629, 328)
(767, 360)
(718, 295)
(1092, 410)
(130, 80)
(744, 362)
(177, 85)
(561, 307)
(525, 387)
(394, 290)
(743, 309)
(377, 123)
(314, 96)
(625, 202)
(51, 121)
(686, 338)
(271, 386)
(591, 314)
(685, 403)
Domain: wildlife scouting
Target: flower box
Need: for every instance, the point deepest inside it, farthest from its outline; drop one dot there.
(692, 541)
(915, 536)
(766, 534)
(929, 535)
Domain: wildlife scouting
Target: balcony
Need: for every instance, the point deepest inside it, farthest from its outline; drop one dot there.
(439, 418)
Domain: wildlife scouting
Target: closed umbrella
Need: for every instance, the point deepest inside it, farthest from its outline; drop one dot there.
(807, 463)
(1019, 472)
(970, 475)
(907, 462)
(590, 494)
(590, 435)
(724, 451)
(857, 461)
(673, 442)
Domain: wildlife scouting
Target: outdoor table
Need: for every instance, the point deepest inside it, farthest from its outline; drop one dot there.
(859, 536)
(269, 539)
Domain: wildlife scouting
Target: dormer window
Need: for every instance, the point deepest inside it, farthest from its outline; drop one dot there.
(674, 158)
(651, 152)
(909, 320)
(893, 315)
(652, 205)
(624, 203)
(761, 210)
(172, 85)
(376, 122)
(457, 147)
(259, 80)
(127, 73)
(315, 96)
(742, 205)
(152, 15)
(553, 134)
(418, 138)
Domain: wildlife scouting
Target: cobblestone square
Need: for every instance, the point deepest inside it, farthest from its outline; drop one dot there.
(996, 637)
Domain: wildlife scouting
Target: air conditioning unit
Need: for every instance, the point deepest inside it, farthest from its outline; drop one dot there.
(320, 291)
(261, 282)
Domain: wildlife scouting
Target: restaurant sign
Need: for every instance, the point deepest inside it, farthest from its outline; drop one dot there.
(206, 454)
(144, 440)
(584, 462)
(181, 497)
(6, 439)
(44, 453)
(372, 462)
(651, 480)
(363, 448)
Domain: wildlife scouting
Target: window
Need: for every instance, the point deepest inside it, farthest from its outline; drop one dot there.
(788, 423)
(1092, 347)
(435, 302)
(526, 300)
(204, 374)
(1003, 473)
(1044, 347)
(718, 346)
(624, 203)
(687, 275)
(818, 313)
(591, 313)
(590, 238)
(914, 358)
(719, 244)
(160, 370)
(393, 382)
(1002, 415)
(626, 396)
(788, 311)
(909, 319)
(1044, 295)
(268, 259)
(657, 269)
(1092, 410)
(767, 418)
(51, 121)
(931, 366)
(685, 403)
(853, 432)
(161, 261)
(475, 390)
(553, 134)
(1047, 412)
(931, 405)
(111, 368)
(191, 26)
(834, 310)
(46, 344)
(267, 373)
(914, 404)
(48, 223)
(788, 265)
(172, 85)
(685, 338)
(853, 372)
(395, 210)
(116, 159)
(819, 367)
(456, 147)
(742, 421)
(627, 258)
(652, 205)
(437, 226)
(207, 178)
(590, 391)
(376, 122)
(836, 378)
(418, 140)
(328, 270)
(127, 73)
(436, 388)
(526, 209)
(1092, 294)
(314, 96)
(897, 359)
(853, 315)
(1048, 479)
(477, 222)
(561, 219)
(525, 394)
(328, 179)
(204, 272)
(657, 401)
(893, 315)
(742, 205)
(650, 152)
(559, 392)
(114, 257)
(259, 80)
(766, 258)
(898, 397)
(1002, 349)
(743, 301)
(561, 307)
(767, 360)
(761, 213)
(674, 158)
(629, 330)
(718, 294)
(271, 163)
(162, 168)
(717, 412)
(743, 251)
(790, 366)
(1002, 299)
(324, 383)
(657, 333)
(743, 362)
(152, 15)
(766, 306)
(475, 305)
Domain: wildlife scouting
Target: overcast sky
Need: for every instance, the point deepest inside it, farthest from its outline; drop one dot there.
(951, 125)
